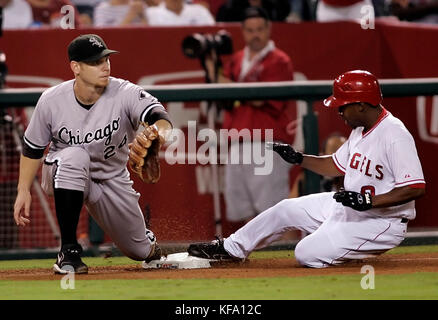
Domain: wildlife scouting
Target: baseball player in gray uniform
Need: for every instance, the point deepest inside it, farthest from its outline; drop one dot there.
(383, 177)
(89, 122)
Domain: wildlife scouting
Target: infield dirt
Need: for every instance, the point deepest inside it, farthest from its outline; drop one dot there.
(255, 268)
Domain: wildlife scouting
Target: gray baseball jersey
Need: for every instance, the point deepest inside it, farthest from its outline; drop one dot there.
(104, 131)
(89, 151)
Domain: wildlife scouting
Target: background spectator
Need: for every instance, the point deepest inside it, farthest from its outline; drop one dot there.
(246, 192)
(301, 10)
(232, 10)
(212, 5)
(422, 11)
(179, 13)
(17, 14)
(120, 13)
(12, 120)
(339, 10)
(48, 12)
(86, 10)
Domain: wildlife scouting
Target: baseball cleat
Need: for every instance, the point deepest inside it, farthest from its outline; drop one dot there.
(210, 250)
(69, 261)
(155, 254)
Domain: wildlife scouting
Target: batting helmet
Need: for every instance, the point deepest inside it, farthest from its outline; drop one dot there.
(354, 86)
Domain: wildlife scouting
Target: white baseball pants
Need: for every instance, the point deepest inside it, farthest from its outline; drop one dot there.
(337, 233)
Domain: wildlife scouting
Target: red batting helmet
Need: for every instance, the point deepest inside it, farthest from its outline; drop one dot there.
(354, 86)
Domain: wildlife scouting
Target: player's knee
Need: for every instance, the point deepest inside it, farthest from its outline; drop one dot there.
(282, 210)
(72, 168)
(137, 253)
(136, 248)
(307, 257)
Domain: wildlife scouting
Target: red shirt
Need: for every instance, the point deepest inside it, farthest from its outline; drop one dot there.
(276, 115)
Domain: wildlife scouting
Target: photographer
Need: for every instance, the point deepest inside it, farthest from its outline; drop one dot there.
(247, 194)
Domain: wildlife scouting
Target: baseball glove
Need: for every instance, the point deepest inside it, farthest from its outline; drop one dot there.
(143, 154)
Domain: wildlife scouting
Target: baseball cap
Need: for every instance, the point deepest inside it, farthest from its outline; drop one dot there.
(255, 12)
(87, 48)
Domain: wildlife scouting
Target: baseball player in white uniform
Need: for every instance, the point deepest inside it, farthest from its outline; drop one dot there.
(383, 177)
(89, 122)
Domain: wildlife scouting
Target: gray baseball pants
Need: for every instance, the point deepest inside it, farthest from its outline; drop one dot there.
(113, 203)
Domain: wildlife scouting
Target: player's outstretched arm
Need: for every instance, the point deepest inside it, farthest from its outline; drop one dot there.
(322, 165)
(28, 170)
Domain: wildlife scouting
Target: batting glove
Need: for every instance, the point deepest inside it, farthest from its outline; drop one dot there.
(286, 152)
(355, 200)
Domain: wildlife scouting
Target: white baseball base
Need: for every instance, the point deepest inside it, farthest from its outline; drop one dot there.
(180, 260)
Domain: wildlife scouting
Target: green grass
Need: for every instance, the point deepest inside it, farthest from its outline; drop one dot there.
(48, 263)
(406, 286)
(409, 286)
(414, 249)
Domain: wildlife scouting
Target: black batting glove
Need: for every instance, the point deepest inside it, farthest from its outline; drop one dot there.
(286, 152)
(355, 200)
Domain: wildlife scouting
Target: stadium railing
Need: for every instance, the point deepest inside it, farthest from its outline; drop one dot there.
(308, 91)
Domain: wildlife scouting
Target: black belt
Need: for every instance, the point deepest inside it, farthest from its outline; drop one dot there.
(404, 220)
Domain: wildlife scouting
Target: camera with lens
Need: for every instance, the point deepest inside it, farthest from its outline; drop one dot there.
(198, 45)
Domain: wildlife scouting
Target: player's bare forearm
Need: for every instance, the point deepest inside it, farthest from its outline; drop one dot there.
(397, 196)
(28, 171)
(322, 165)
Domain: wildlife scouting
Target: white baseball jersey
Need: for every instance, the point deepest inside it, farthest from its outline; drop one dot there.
(104, 130)
(380, 160)
(377, 161)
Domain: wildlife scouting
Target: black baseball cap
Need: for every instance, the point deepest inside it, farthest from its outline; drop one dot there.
(88, 48)
(255, 12)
